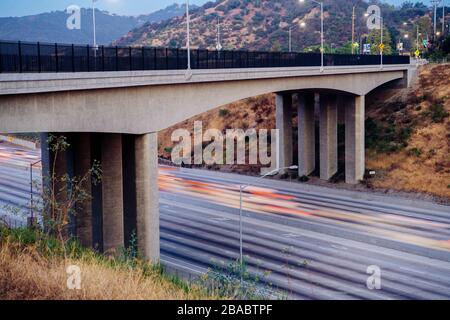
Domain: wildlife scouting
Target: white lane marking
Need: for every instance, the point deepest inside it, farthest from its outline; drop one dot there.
(219, 219)
(339, 247)
(291, 235)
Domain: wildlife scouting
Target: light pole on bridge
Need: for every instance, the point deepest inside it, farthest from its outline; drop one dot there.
(322, 36)
(188, 41)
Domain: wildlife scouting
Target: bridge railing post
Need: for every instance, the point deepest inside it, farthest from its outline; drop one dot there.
(20, 56)
(130, 58)
(56, 58)
(117, 58)
(167, 58)
(143, 57)
(88, 59)
(103, 58)
(39, 57)
(73, 57)
(1, 59)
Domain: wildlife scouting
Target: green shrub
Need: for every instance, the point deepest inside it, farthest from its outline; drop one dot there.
(415, 152)
(224, 113)
(437, 113)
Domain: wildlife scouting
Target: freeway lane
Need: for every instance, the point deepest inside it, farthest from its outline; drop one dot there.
(315, 243)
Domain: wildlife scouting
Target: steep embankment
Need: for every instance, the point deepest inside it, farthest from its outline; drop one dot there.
(408, 132)
(409, 135)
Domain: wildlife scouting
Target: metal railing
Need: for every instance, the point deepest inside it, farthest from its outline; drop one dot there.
(26, 57)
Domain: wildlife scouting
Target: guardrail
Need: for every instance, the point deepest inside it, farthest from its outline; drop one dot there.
(26, 57)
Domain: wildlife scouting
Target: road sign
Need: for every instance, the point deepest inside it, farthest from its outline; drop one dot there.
(367, 48)
(417, 53)
(381, 46)
(219, 47)
(400, 46)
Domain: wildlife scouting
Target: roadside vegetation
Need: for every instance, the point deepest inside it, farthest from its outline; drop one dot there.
(33, 267)
(408, 135)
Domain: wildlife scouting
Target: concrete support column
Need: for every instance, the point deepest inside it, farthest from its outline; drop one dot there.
(284, 125)
(328, 137)
(306, 134)
(82, 165)
(147, 210)
(355, 140)
(112, 193)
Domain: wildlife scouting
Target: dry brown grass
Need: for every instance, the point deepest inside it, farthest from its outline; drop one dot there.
(425, 164)
(25, 274)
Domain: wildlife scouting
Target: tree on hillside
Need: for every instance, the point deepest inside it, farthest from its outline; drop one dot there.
(374, 38)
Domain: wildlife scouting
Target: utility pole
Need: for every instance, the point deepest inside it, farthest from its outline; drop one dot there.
(435, 4)
(443, 18)
(94, 27)
(353, 30)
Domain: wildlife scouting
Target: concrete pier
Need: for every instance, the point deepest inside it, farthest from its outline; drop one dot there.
(306, 134)
(147, 202)
(355, 139)
(328, 136)
(82, 165)
(284, 125)
(112, 193)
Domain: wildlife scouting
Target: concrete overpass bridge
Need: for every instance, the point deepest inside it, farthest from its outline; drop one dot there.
(113, 115)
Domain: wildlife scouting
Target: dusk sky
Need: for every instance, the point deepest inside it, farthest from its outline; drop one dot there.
(123, 7)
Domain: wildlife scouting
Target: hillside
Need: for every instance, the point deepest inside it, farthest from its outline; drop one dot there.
(413, 128)
(264, 24)
(51, 26)
(408, 133)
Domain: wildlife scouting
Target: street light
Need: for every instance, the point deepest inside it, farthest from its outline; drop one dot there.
(381, 40)
(322, 39)
(302, 25)
(93, 24)
(188, 41)
(241, 189)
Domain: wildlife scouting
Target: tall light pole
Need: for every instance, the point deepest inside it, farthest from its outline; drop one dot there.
(353, 30)
(290, 39)
(188, 41)
(435, 4)
(322, 36)
(301, 25)
(381, 47)
(94, 27)
(443, 18)
(241, 190)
